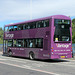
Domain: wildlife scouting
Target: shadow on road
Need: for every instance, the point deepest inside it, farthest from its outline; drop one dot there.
(53, 60)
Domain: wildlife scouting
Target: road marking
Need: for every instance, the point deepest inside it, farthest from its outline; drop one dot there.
(37, 65)
(2, 59)
(20, 60)
(70, 59)
(29, 68)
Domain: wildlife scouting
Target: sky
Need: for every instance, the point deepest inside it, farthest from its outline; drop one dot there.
(13, 11)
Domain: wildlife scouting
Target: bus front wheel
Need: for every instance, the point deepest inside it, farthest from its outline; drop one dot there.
(31, 55)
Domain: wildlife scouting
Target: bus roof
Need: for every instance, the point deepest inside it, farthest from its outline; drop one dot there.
(54, 16)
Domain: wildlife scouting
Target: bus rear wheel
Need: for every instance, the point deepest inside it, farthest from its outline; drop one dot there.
(10, 53)
(31, 55)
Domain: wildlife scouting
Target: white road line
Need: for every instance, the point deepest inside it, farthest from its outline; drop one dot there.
(18, 60)
(2, 59)
(70, 59)
(67, 64)
(29, 68)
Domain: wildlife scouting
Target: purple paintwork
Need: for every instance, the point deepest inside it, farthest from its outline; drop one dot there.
(59, 49)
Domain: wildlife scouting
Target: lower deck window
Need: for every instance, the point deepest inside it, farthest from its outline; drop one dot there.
(10, 43)
(18, 43)
(27, 43)
(33, 43)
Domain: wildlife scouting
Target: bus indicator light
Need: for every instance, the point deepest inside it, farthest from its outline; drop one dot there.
(52, 50)
(52, 47)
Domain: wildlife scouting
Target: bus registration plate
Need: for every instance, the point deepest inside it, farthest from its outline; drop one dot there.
(62, 56)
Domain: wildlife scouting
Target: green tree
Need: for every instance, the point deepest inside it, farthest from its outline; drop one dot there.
(73, 30)
(1, 35)
(73, 21)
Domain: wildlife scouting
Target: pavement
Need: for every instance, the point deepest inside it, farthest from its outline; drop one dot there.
(24, 66)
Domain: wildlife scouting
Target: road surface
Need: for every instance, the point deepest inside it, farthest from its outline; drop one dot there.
(24, 66)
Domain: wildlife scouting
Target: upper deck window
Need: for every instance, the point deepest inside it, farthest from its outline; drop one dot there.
(31, 25)
(62, 30)
(26, 26)
(6, 29)
(46, 23)
(15, 28)
(40, 24)
(59, 22)
(10, 28)
(20, 27)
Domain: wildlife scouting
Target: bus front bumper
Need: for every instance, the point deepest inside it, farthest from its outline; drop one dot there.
(60, 56)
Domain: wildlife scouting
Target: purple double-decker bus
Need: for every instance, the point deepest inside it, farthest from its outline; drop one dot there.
(44, 38)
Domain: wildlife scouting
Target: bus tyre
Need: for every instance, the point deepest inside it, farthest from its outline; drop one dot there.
(31, 55)
(9, 53)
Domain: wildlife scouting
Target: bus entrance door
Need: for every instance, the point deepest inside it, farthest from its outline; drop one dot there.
(5, 46)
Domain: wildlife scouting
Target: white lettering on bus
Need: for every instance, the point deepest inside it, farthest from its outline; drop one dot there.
(62, 45)
(9, 35)
(61, 50)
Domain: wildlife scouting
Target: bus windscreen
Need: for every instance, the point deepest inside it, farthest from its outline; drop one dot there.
(62, 30)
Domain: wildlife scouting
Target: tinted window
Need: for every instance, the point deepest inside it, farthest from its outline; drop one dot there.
(19, 43)
(10, 43)
(20, 27)
(62, 30)
(27, 43)
(46, 23)
(32, 25)
(24, 26)
(60, 22)
(33, 43)
(39, 43)
(15, 43)
(27, 26)
(40, 24)
(10, 28)
(6, 29)
(15, 28)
